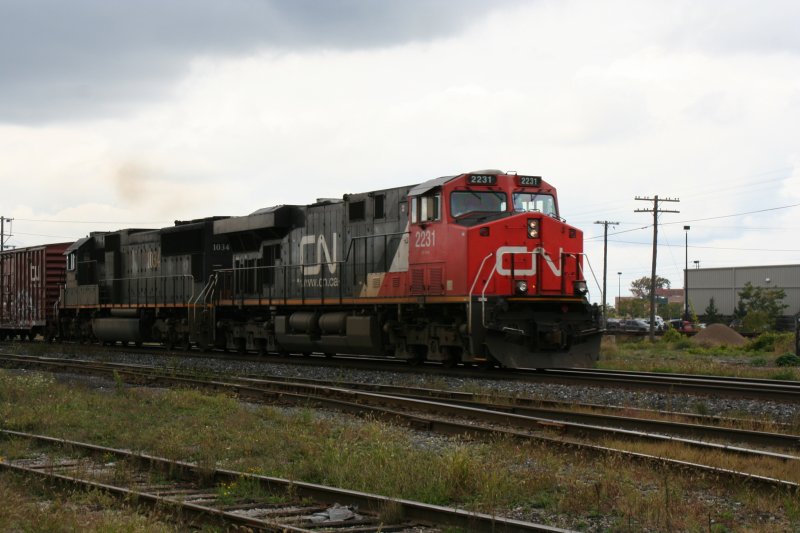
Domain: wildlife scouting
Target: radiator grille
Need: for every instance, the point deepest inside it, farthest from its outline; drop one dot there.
(417, 281)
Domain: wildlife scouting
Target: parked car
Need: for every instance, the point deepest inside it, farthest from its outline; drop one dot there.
(635, 325)
(684, 326)
(613, 324)
(660, 324)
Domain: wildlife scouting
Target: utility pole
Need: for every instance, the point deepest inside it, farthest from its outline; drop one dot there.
(655, 210)
(605, 224)
(3, 221)
(2, 273)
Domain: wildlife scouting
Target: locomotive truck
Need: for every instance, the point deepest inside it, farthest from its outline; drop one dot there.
(474, 268)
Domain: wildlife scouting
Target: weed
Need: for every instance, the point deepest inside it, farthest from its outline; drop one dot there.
(701, 408)
(300, 444)
(791, 506)
(119, 385)
(391, 512)
(784, 375)
(788, 359)
(242, 489)
(784, 343)
(763, 343)
(32, 505)
(671, 336)
(682, 344)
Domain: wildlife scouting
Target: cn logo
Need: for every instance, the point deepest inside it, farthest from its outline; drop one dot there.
(321, 251)
(504, 250)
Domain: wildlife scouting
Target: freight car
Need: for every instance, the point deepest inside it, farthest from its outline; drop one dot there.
(30, 279)
(474, 268)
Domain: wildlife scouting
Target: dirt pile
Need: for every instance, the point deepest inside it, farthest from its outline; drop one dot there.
(717, 335)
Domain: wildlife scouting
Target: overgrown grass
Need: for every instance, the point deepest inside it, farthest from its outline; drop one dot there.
(32, 506)
(563, 488)
(762, 357)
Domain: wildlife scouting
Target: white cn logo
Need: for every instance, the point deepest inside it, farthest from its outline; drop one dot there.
(504, 250)
(321, 251)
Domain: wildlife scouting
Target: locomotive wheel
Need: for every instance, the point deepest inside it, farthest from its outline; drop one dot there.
(452, 356)
(261, 347)
(417, 352)
(489, 363)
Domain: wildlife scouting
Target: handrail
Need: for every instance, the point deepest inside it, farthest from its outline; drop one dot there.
(204, 294)
(184, 277)
(483, 295)
(469, 295)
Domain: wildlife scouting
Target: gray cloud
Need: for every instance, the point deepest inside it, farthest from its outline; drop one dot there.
(64, 60)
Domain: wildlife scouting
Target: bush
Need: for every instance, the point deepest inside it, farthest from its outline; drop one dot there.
(788, 359)
(763, 343)
(683, 343)
(671, 335)
(784, 342)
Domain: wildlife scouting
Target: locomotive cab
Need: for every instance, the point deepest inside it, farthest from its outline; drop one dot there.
(496, 239)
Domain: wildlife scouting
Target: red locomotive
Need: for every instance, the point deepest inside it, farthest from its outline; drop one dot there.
(474, 268)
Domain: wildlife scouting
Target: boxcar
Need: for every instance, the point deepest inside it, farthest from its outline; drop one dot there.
(29, 289)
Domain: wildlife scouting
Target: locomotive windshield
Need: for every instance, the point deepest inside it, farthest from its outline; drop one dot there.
(529, 201)
(464, 202)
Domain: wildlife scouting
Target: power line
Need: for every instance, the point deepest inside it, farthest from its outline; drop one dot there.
(709, 247)
(93, 221)
(703, 219)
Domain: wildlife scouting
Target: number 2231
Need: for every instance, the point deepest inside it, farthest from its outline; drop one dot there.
(425, 239)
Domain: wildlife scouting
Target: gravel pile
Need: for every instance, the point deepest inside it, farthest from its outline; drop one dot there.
(718, 335)
(778, 412)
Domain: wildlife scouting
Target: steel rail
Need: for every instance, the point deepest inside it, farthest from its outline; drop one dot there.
(494, 412)
(704, 385)
(362, 402)
(519, 404)
(410, 512)
(594, 424)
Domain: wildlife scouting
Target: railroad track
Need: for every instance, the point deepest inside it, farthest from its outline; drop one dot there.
(704, 385)
(236, 499)
(459, 414)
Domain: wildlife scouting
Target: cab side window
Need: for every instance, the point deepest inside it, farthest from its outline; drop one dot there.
(426, 208)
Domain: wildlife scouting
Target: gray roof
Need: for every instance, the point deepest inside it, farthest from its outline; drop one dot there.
(422, 188)
(75, 245)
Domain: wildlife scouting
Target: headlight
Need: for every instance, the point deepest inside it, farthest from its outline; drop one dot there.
(580, 287)
(522, 287)
(533, 228)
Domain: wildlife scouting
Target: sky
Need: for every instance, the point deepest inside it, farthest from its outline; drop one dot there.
(119, 114)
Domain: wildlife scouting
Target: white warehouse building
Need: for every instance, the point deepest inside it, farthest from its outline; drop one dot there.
(724, 285)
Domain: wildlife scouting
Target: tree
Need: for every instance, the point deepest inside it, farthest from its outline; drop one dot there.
(762, 299)
(633, 307)
(712, 315)
(757, 322)
(640, 288)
